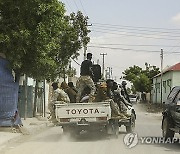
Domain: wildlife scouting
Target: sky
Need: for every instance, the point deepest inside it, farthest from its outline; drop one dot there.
(130, 32)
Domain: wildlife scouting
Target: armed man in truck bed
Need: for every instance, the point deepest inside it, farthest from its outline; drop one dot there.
(86, 78)
(58, 95)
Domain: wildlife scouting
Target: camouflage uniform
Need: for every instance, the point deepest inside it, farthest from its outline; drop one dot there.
(115, 110)
(70, 91)
(62, 98)
(82, 82)
(101, 92)
(85, 80)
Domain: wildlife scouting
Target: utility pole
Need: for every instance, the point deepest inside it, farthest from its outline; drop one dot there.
(161, 55)
(106, 75)
(109, 72)
(85, 48)
(103, 54)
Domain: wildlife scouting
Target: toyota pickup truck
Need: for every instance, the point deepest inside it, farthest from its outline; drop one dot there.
(76, 118)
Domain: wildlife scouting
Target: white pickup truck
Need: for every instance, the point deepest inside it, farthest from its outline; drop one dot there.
(79, 117)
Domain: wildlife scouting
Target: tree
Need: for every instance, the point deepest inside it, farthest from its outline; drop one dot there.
(132, 73)
(151, 71)
(133, 89)
(141, 79)
(73, 38)
(142, 83)
(38, 38)
(128, 90)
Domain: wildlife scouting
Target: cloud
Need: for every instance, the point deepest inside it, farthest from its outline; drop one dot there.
(176, 18)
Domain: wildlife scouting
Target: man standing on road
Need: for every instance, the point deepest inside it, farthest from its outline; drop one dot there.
(86, 78)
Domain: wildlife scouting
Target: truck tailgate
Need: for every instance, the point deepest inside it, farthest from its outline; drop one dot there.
(83, 110)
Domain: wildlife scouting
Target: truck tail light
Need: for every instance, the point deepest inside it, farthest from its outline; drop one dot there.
(64, 119)
(101, 118)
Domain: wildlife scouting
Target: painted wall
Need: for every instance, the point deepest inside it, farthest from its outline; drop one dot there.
(170, 79)
(176, 78)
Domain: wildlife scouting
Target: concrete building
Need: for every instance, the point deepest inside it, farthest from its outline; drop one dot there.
(170, 79)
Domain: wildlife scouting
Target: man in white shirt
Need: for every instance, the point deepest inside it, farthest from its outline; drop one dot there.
(59, 96)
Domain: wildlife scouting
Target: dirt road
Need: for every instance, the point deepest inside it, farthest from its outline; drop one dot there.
(52, 140)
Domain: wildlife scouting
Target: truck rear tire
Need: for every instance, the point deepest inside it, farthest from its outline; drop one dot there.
(113, 128)
(65, 130)
(130, 128)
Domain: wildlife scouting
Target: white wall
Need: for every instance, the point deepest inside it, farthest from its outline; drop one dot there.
(176, 78)
(170, 79)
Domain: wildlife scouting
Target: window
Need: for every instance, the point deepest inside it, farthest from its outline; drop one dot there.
(164, 85)
(169, 83)
(157, 85)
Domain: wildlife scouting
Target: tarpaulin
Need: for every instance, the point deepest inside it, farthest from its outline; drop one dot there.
(8, 96)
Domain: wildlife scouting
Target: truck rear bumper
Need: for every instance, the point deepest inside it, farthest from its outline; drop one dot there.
(84, 126)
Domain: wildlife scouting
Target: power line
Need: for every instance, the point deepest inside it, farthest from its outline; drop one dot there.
(76, 5)
(138, 27)
(86, 15)
(172, 52)
(173, 47)
(136, 35)
(120, 30)
(83, 7)
(127, 49)
(114, 48)
(69, 5)
(151, 45)
(134, 29)
(160, 33)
